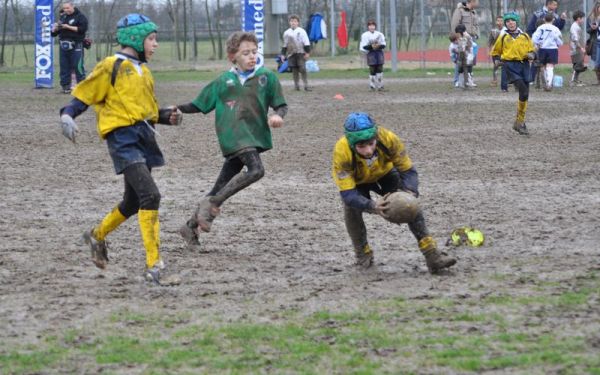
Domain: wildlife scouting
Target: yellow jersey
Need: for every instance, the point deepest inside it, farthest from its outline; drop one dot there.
(349, 169)
(130, 100)
(510, 48)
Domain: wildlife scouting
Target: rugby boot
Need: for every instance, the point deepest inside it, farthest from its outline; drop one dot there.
(436, 261)
(205, 214)
(98, 248)
(96, 237)
(520, 127)
(364, 257)
(189, 233)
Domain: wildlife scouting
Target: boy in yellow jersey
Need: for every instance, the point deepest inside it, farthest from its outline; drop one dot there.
(370, 158)
(516, 52)
(121, 89)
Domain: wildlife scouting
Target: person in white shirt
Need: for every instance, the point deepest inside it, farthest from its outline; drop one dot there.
(577, 48)
(547, 38)
(372, 43)
(296, 50)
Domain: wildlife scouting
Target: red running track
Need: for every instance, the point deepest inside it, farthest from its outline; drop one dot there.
(482, 55)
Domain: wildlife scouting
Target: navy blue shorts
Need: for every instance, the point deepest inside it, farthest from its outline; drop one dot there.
(517, 70)
(548, 56)
(134, 144)
(375, 58)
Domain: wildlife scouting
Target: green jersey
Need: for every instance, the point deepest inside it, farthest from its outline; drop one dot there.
(241, 106)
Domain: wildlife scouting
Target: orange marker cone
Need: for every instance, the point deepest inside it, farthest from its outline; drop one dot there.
(339, 97)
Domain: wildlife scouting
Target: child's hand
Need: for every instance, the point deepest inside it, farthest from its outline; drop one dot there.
(69, 127)
(176, 116)
(275, 121)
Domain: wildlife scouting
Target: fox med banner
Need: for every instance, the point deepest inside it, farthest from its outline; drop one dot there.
(44, 54)
(253, 20)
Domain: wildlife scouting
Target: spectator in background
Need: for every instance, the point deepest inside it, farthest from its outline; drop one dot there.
(465, 14)
(296, 50)
(547, 38)
(593, 21)
(538, 18)
(372, 43)
(577, 48)
(70, 29)
(494, 34)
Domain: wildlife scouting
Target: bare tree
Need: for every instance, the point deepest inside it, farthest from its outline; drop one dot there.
(194, 37)
(185, 30)
(218, 27)
(5, 12)
(19, 21)
(210, 33)
(173, 13)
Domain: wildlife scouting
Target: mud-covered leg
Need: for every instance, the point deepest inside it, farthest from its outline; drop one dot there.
(435, 260)
(357, 231)
(208, 208)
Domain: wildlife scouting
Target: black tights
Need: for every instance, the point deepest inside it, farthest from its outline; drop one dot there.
(523, 88)
(232, 179)
(374, 69)
(141, 191)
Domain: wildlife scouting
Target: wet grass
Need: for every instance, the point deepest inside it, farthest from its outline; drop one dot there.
(508, 331)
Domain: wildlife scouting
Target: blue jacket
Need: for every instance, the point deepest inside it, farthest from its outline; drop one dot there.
(539, 14)
(314, 28)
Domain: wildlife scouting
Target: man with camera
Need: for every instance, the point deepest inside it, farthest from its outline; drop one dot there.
(70, 29)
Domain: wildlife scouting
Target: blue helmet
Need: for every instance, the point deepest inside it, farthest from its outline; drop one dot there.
(359, 127)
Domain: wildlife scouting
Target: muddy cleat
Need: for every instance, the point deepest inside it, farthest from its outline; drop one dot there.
(520, 128)
(190, 235)
(297, 88)
(98, 248)
(364, 257)
(307, 88)
(152, 275)
(437, 261)
(205, 214)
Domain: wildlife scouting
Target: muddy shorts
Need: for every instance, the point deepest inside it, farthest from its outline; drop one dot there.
(296, 60)
(517, 70)
(578, 62)
(134, 144)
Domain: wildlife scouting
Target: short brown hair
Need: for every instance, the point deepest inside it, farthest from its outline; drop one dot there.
(371, 22)
(453, 37)
(293, 17)
(235, 39)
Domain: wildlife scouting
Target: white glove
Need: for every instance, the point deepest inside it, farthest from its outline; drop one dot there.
(69, 127)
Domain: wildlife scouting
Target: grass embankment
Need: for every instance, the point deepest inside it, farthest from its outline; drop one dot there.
(500, 331)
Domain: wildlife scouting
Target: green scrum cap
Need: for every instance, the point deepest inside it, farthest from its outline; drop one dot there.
(133, 29)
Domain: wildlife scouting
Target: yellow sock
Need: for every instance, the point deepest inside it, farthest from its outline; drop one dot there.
(110, 222)
(426, 244)
(150, 230)
(521, 109)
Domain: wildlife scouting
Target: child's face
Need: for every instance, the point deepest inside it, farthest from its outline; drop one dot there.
(245, 58)
(371, 27)
(499, 22)
(511, 25)
(294, 23)
(150, 45)
(366, 149)
(580, 21)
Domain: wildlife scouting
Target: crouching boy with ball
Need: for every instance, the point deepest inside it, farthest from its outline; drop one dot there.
(370, 158)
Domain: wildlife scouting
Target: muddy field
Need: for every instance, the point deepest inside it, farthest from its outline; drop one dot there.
(281, 244)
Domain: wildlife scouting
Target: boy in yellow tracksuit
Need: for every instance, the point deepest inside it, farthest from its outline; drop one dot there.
(370, 158)
(121, 89)
(516, 51)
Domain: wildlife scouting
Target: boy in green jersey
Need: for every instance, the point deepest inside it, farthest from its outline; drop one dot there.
(241, 98)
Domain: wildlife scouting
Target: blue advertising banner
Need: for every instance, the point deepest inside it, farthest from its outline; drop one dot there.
(44, 16)
(253, 19)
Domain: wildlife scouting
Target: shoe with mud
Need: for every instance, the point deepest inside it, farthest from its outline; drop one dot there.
(364, 257)
(205, 214)
(437, 261)
(156, 276)
(520, 128)
(189, 234)
(98, 249)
